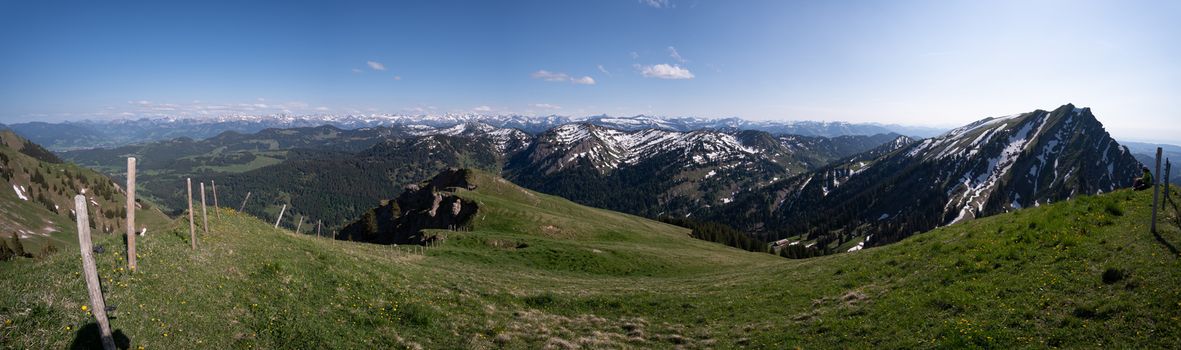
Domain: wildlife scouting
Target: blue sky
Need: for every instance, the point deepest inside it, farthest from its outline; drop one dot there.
(910, 62)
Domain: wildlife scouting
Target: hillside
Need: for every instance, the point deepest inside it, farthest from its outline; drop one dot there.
(539, 271)
(36, 200)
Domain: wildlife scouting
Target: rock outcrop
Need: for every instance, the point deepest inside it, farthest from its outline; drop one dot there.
(428, 205)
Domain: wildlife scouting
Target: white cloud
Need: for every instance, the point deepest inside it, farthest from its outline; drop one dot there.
(561, 77)
(545, 106)
(397, 77)
(604, 70)
(322, 109)
(355, 70)
(144, 108)
(584, 81)
(374, 65)
(672, 52)
(634, 55)
(660, 4)
(550, 76)
(482, 109)
(665, 71)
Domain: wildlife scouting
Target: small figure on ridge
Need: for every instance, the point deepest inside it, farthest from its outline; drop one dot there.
(1144, 182)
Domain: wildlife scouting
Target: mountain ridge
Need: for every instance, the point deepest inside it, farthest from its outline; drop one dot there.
(980, 169)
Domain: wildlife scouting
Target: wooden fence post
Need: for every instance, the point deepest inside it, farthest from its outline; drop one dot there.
(317, 228)
(280, 216)
(215, 206)
(204, 214)
(131, 261)
(90, 270)
(192, 225)
(243, 207)
(1155, 188)
(1168, 169)
(299, 225)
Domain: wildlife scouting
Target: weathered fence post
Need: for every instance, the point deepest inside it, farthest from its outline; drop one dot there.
(1168, 169)
(204, 214)
(243, 207)
(131, 261)
(280, 216)
(215, 206)
(297, 226)
(90, 270)
(317, 228)
(1155, 188)
(192, 225)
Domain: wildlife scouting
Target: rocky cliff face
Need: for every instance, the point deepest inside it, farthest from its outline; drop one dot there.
(428, 205)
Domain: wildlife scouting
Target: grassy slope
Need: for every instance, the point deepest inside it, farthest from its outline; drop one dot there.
(37, 224)
(539, 270)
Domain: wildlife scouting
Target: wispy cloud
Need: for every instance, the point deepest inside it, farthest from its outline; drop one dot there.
(550, 76)
(374, 65)
(482, 109)
(634, 55)
(604, 70)
(660, 4)
(665, 71)
(672, 52)
(144, 108)
(545, 106)
(356, 70)
(561, 77)
(421, 109)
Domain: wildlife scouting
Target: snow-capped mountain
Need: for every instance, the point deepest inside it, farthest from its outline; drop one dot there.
(606, 149)
(663, 172)
(986, 167)
(507, 141)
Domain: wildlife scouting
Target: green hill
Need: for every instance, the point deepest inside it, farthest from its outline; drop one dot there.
(37, 197)
(539, 271)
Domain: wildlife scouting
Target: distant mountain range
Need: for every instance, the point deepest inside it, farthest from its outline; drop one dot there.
(816, 194)
(113, 133)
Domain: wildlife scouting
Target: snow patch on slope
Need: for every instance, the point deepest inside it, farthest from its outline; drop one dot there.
(20, 192)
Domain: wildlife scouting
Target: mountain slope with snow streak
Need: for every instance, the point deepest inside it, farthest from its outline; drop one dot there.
(657, 172)
(983, 168)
